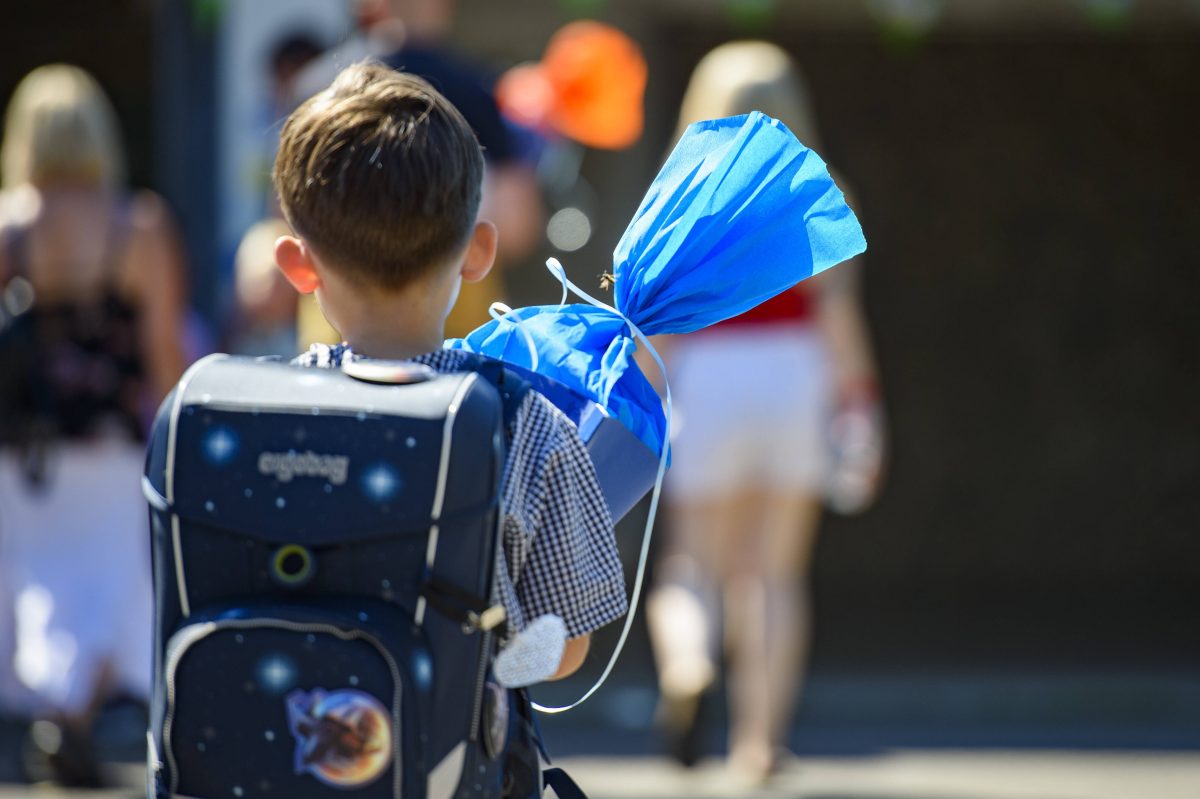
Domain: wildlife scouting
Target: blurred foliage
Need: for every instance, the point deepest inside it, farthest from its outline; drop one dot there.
(206, 14)
(905, 25)
(582, 8)
(751, 16)
(1108, 15)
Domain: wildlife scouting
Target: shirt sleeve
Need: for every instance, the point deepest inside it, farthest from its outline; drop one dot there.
(572, 568)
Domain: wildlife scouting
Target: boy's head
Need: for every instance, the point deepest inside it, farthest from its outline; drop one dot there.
(380, 176)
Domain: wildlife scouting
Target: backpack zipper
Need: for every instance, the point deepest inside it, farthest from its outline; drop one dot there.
(485, 654)
(480, 678)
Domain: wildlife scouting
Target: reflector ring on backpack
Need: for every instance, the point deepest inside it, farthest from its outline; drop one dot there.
(292, 565)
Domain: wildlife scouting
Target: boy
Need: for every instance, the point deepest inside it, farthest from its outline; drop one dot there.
(380, 179)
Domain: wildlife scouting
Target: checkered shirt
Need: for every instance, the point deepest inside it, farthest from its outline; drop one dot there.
(559, 554)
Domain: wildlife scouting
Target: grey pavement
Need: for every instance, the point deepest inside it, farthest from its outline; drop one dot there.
(900, 774)
(1016, 736)
(922, 774)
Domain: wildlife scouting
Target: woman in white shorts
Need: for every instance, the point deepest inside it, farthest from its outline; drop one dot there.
(93, 286)
(754, 401)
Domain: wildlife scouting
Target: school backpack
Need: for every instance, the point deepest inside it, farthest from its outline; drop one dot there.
(323, 559)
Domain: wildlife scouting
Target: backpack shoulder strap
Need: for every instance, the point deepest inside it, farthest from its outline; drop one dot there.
(559, 785)
(511, 386)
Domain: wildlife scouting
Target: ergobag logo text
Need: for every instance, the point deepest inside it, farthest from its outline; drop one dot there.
(284, 466)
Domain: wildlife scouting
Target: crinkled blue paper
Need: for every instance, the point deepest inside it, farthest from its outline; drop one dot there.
(589, 351)
(740, 212)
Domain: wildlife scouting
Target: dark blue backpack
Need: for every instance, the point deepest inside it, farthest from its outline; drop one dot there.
(323, 558)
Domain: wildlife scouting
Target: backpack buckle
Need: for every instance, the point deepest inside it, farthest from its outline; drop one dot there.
(471, 612)
(486, 621)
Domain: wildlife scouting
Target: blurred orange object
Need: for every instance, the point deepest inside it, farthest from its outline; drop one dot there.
(589, 87)
(526, 96)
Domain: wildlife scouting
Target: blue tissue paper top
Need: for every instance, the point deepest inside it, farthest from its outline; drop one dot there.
(740, 212)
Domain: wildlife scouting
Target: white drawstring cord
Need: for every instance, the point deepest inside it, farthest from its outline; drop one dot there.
(500, 312)
(557, 270)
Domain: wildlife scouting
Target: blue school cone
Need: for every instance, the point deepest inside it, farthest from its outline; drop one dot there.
(740, 212)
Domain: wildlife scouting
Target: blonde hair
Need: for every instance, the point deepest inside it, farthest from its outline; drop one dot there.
(740, 77)
(61, 126)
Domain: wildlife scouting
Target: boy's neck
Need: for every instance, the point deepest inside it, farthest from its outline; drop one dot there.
(394, 326)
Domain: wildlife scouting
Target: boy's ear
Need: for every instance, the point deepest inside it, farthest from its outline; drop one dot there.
(481, 252)
(295, 261)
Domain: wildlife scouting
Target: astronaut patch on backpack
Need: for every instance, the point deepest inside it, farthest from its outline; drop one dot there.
(343, 738)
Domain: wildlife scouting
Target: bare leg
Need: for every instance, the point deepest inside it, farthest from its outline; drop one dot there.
(683, 615)
(768, 622)
(683, 610)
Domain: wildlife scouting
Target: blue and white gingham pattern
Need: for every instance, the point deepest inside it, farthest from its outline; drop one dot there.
(559, 554)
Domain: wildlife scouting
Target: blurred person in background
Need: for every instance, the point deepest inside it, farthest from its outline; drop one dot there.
(287, 62)
(755, 398)
(289, 59)
(266, 310)
(93, 282)
(411, 35)
(378, 31)
(264, 316)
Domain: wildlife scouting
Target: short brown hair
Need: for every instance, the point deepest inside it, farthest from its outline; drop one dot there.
(380, 174)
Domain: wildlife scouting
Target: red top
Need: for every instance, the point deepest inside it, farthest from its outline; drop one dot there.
(794, 305)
